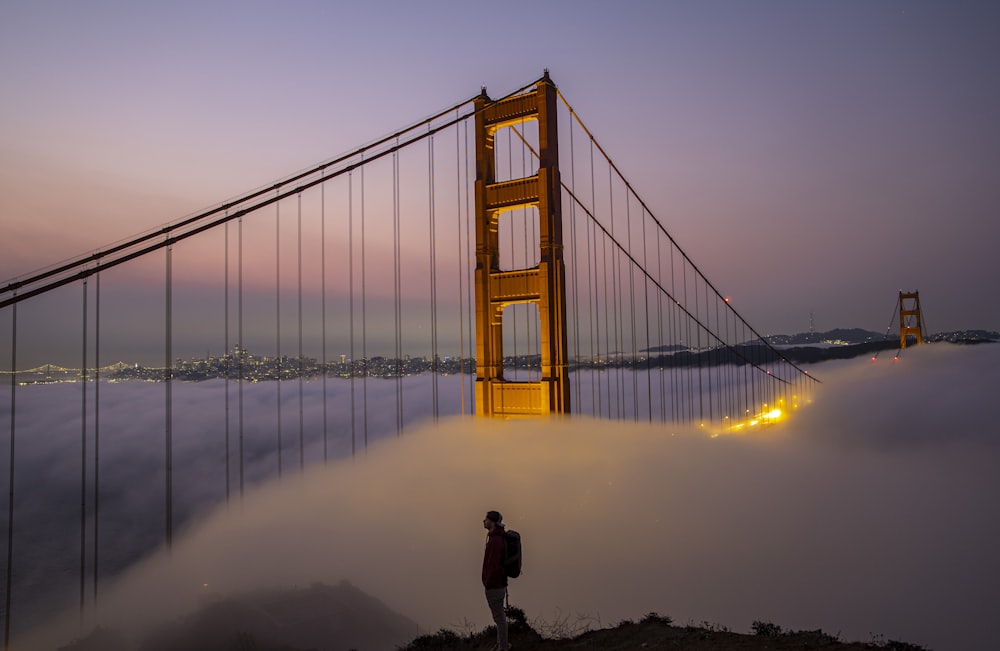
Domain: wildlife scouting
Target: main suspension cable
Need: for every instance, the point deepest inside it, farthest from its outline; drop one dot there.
(663, 230)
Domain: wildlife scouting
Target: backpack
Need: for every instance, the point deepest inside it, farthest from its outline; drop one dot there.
(512, 554)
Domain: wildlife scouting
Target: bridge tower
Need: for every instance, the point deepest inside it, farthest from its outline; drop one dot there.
(543, 285)
(909, 317)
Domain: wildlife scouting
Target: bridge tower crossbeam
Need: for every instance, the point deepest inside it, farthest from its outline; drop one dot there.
(542, 285)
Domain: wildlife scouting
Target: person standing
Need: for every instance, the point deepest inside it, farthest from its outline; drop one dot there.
(494, 575)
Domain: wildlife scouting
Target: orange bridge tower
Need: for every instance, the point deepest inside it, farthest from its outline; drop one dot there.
(542, 285)
(909, 317)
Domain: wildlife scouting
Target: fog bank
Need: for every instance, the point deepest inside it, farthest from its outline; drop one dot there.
(872, 511)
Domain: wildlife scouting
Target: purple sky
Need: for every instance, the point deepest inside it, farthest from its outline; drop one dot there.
(808, 157)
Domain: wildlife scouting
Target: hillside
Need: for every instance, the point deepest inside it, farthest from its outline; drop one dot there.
(652, 632)
(343, 618)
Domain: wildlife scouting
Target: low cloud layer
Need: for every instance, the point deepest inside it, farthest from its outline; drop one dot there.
(871, 512)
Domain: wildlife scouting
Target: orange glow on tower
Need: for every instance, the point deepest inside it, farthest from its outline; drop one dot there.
(909, 317)
(543, 285)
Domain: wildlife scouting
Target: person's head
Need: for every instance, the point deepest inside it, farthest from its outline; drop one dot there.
(492, 520)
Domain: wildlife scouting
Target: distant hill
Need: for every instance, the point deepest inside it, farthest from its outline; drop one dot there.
(848, 336)
(320, 617)
(837, 336)
(805, 348)
(966, 336)
(852, 336)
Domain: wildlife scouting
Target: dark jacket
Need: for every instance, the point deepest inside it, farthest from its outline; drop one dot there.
(493, 572)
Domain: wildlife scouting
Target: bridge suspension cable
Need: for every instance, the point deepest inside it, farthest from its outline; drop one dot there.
(45, 280)
(663, 231)
(612, 310)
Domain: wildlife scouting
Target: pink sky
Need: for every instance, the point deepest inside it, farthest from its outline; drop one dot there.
(808, 157)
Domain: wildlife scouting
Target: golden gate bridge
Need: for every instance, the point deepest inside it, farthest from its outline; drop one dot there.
(489, 259)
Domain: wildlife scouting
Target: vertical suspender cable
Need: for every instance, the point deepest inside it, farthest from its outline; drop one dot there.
(169, 378)
(277, 320)
(734, 379)
(738, 383)
(645, 298)
(708, 343)
(576, 270)
(8, 589)
(745, 378)
(731, 390)
(607, 317)
(350, 304)
(688, 342)
(364, 318)
(727, 374)
(433, 276)
(397, 290)
(722, 352)
(225, 336)
(645, 312)
(468, 270)
(458, 234)
(591, 259)
(759, 381)
(671, 337)
(752, 401)
(632, 308)
(322, 301)
(616, 316)
(611, 301)
(240, 344)
(633, 349)
(97, 424)
(659, 330)
(704, 360)
(752, 353)
(698, 329)
(676, 337)
(83, 457)
(302, 445)
(595, 339)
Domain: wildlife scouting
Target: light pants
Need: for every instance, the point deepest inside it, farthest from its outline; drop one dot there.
(494, 598)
